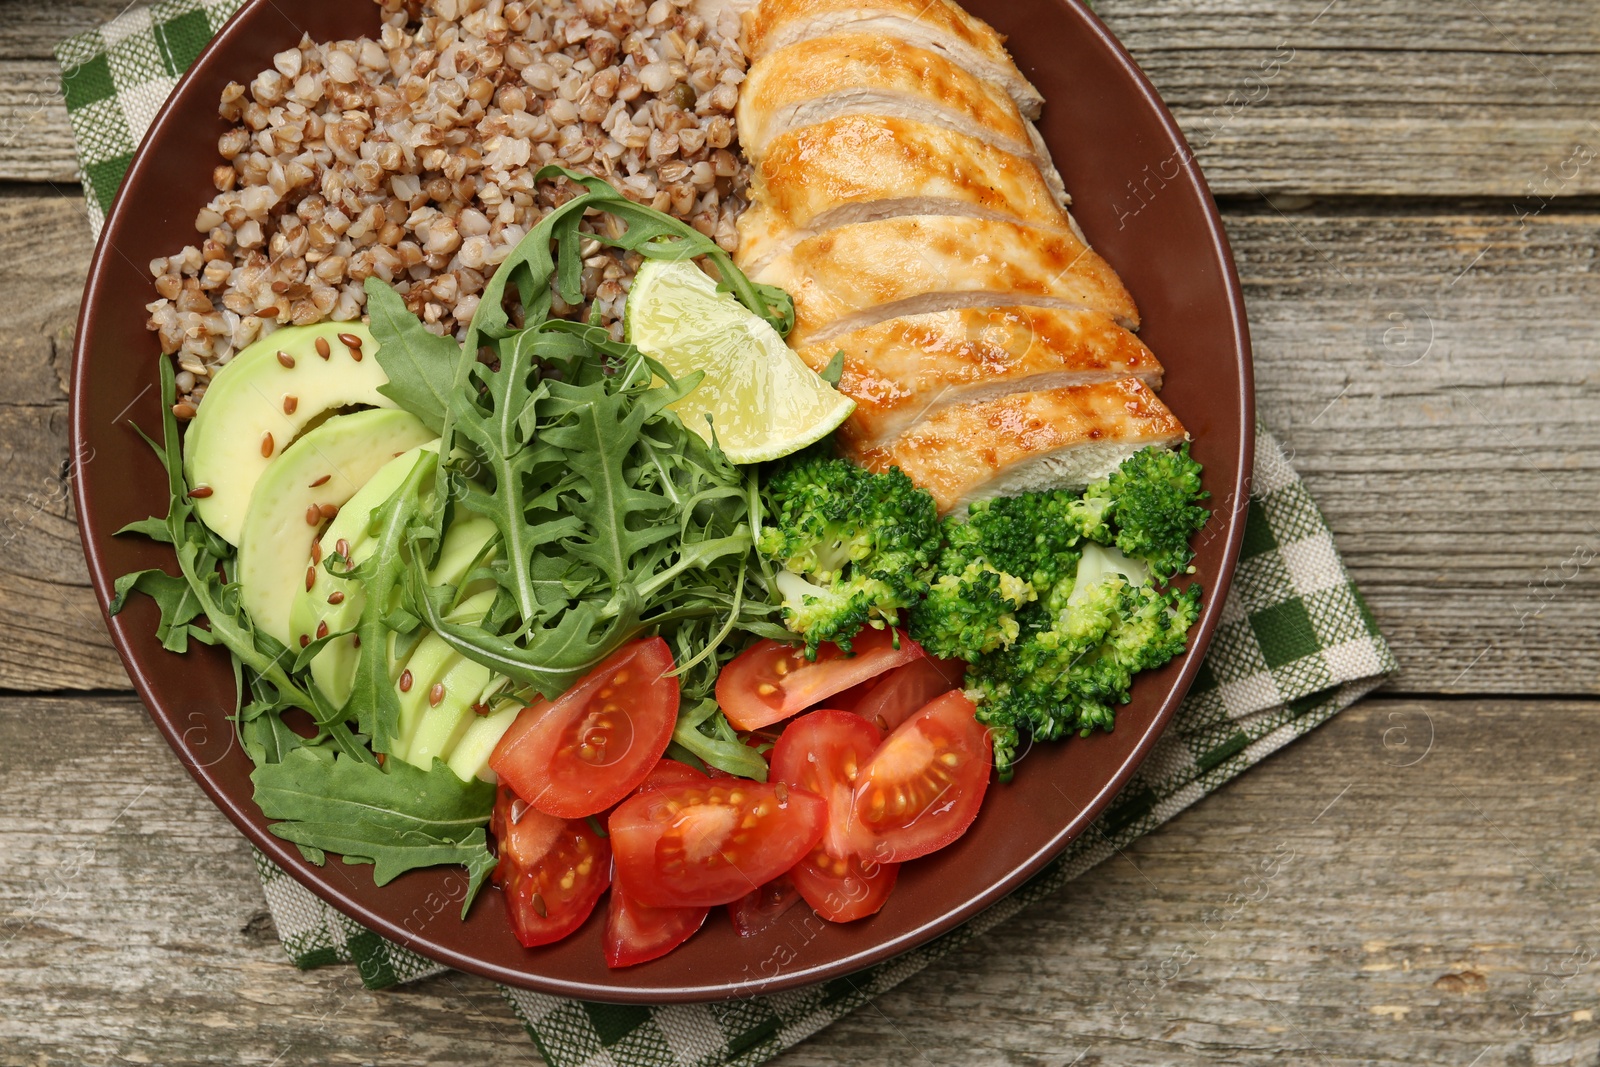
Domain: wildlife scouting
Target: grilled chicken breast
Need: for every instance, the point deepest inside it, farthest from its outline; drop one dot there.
(858, 275)
(904, 198)
(826, 78)
(857, 168)
(935, 25)
(913, 367)
(1058, 438)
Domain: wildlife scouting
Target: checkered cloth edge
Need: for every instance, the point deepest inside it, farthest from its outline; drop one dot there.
(1295, 647)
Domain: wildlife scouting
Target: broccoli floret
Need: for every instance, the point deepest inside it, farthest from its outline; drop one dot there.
(1072, 667)
(969, 614)
(1152, 504)
(856, 547)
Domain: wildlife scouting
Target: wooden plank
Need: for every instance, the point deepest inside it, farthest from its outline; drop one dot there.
(1398, 100)
(33, 29)
(1409, 884)
(1544, 27)
(1434, 378)
(55, 638)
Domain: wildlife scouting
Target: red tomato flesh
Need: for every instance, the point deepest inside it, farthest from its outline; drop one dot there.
(710, 843)
(671, 772)
(593, 746)
(844, 889)
(761, 908)
(552, 871)
(923, 786)
(893, 698)
(771, 681)
(636, 933)
(824, 753)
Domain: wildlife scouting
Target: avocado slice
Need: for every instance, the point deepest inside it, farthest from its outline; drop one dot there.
(470, 758)
(262, 400)
(333, 669)
(431, 727)
(324, 469)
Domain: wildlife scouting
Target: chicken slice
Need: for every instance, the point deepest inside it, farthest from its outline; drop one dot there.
(936, 25)
(911, 368)
(1027, 442)
(854, 276)
(859, 168)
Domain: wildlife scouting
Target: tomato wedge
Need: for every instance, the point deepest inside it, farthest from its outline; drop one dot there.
(552, 871)
(824, 753)
(711, 843)
(847, 889)
(593, 746)
(636, 933)
(771, 681)
(923, 786)
(760, 908)
(671, 772)
(893, 698)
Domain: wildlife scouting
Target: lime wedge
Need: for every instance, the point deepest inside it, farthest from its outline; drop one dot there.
(762, 401)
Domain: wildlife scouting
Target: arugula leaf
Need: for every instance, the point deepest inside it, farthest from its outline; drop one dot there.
(179, 606)
(420, 364)
(373, 700)
(398, 817)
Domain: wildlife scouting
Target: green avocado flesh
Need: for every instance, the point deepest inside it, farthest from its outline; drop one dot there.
(438, 688)
(333, 669)
(262, 400)
(323, 469)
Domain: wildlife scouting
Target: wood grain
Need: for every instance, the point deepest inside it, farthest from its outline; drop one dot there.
(55, 638)
(1411, 883)
(1295, 98)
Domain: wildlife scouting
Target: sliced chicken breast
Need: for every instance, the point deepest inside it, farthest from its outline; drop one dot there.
(858, 168)
(1027, 442)
(854, 276)
(858, 74)
(911, 368)
(936, 25)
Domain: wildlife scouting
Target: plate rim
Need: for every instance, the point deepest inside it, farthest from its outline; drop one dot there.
(248, 821)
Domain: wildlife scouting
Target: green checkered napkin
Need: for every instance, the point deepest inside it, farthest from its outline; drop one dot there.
(1295, 647)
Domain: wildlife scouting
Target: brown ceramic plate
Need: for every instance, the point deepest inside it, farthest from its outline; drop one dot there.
(1143, 204)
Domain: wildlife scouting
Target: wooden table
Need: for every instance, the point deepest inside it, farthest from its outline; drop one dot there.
(1412, 197)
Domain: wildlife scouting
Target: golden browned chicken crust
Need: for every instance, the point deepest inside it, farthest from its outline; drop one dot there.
(910, 368)
(853, 276)
(1058, 438)
(938, 25)
(854, 73)
(860, 167)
